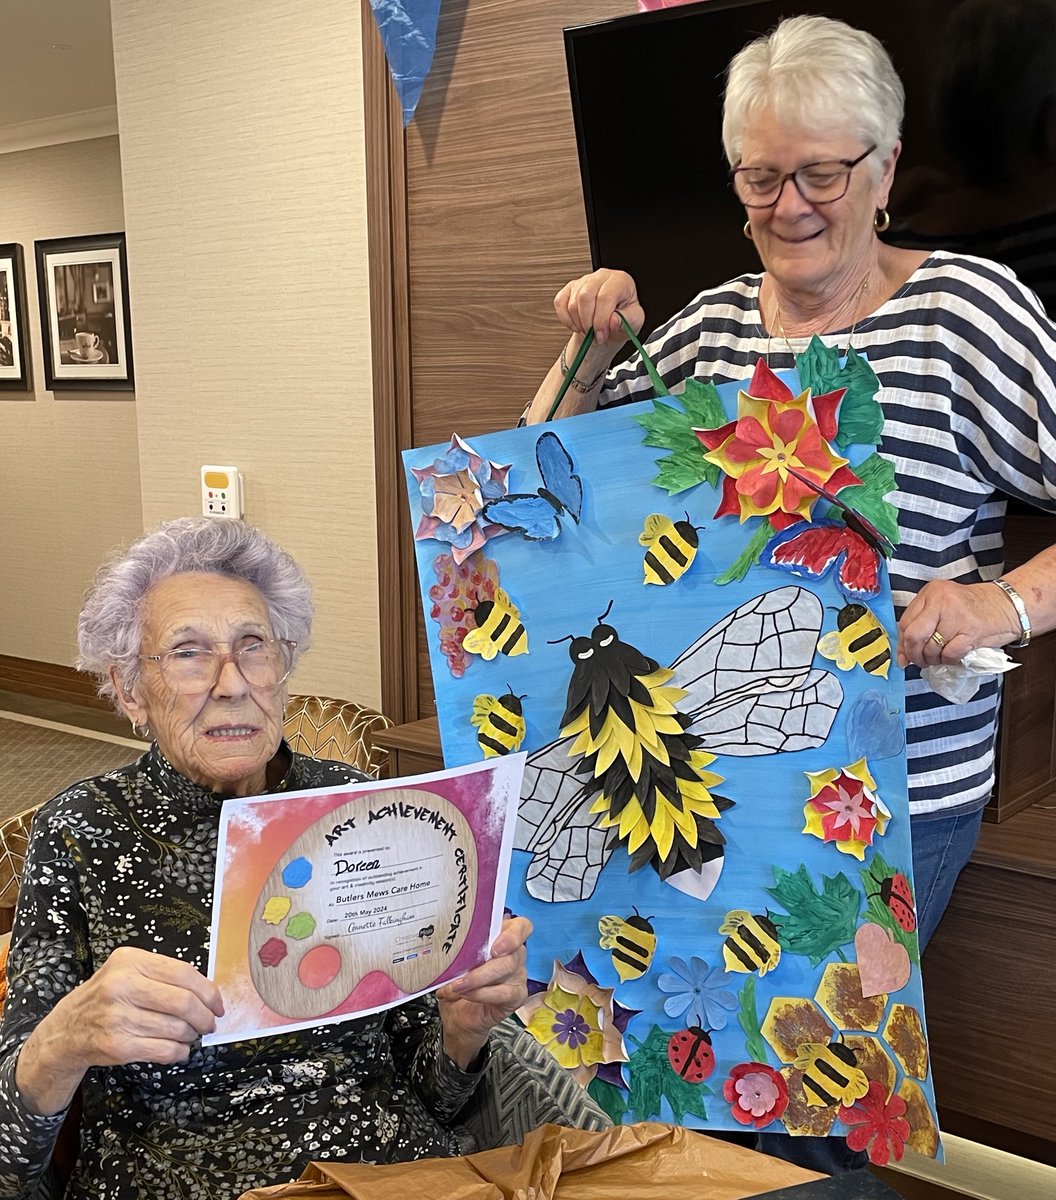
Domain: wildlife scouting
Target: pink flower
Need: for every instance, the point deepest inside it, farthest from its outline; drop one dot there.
(756, 1093)
(878, 1124)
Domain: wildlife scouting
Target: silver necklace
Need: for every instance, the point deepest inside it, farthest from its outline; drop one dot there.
(856, 300)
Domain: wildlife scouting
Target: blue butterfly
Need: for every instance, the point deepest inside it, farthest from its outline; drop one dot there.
(536, 515)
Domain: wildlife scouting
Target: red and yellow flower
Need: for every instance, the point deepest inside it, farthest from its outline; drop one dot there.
(776, 438)
(844, 808)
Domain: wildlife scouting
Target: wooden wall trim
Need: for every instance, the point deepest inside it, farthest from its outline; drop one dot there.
(49, 681)
(390, 323)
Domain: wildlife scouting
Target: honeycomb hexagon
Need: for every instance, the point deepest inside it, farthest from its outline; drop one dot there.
(904, 1033)
(790, 1021)
(801, 1117)
(925, 1136)
(873, 1059)
(840, 995)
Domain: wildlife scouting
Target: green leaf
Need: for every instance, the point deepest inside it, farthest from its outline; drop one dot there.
(685, 469)
(878, 912)
(700, 399)
(878, 478)
(748, 1016)
(861, 417)
(671, 426)
(609, 1098)
(749, 556)
(653, 1080)
(817, 922)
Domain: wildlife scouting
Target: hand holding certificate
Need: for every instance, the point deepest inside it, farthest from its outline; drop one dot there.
(345, 901)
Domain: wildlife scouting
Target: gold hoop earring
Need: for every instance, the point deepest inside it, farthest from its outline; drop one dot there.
(882, 220)
(143, 734)
(747, 231)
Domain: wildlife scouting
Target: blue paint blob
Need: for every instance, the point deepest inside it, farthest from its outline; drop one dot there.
(873, 730)
(297, 873)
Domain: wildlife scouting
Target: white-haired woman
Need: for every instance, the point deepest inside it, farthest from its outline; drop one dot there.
(193, 632)
(965, 356)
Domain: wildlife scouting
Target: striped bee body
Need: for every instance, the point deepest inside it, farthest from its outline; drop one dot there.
(499, 629)
(499, 722)
(831, 1074)
(671, 548)
(752, 944)
(858, 640)
(632, 943)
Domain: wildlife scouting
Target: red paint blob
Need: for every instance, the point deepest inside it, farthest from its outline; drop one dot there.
(319, 966)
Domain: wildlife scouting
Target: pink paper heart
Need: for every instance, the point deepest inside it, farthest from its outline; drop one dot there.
(883, 963)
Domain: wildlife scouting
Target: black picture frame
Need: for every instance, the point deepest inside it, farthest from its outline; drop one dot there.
(87, 341)
(15, 373)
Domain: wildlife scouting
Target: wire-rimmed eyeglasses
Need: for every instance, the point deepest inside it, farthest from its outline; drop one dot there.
(817, 183)
(189, 670)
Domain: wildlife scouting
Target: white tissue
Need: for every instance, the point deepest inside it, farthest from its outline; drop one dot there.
(959, 682)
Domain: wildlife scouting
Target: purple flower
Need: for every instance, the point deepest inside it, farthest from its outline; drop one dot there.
(571, 1029)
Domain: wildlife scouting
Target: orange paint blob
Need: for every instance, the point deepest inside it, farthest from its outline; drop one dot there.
(319, 966)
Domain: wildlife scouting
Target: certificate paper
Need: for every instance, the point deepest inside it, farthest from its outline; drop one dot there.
(338, 902)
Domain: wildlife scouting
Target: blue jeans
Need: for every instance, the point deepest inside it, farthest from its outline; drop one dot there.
(942, 846)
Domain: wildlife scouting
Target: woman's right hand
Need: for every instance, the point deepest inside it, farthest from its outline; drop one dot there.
(594, 301)
(138, 1007)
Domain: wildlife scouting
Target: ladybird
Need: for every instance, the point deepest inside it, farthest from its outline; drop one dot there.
(898, 896)
(690, 1054)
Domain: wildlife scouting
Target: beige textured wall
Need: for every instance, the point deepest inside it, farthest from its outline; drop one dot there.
(245, 207)
(69, 464)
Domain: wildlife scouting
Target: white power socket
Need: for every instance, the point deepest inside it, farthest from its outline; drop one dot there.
(222, 492)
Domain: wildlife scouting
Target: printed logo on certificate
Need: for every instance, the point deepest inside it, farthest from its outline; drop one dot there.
(339, 902)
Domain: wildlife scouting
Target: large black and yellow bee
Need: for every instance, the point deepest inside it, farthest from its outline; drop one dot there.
(858, 640)
(752, 944)
(499, 629)
(499, 721)
(774, 701)
(632, 942)
(648, 781)
(672, 547)
(831, 1074)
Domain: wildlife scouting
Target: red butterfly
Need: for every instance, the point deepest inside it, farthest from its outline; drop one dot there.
(813, 550)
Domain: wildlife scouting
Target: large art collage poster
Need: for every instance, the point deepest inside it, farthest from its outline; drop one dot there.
(680, 609)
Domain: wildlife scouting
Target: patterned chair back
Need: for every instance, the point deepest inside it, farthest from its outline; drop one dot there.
(341, 729)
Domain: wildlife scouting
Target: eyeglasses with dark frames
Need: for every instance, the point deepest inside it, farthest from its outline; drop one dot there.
(817, 183)
(189, 670)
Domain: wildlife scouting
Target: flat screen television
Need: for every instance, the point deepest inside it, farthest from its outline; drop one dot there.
(647, 103)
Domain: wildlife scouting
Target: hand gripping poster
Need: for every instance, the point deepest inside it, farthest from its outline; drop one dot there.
(680, 609)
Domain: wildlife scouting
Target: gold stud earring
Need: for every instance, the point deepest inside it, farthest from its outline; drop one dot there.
(747, 231)
(882, 220)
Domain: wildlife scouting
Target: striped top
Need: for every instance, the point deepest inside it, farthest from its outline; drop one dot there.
(966, 359)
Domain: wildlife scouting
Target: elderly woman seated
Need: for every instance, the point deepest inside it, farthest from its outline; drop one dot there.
(193, 632)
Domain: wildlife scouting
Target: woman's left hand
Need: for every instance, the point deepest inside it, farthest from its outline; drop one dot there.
(471, 1006)
(945, 620)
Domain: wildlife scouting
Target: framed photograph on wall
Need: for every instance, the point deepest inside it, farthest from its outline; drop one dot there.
(14, 348)
(84, 314)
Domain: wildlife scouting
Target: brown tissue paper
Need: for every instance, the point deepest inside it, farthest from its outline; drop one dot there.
(555, 1163)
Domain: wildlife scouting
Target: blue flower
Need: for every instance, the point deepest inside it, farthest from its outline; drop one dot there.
(696, 993)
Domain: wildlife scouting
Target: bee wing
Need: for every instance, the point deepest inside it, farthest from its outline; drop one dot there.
(555, 824)
(751, 687)
(482, 707)
(610, 928)
(734, 920)
(477, 641)
(655, 525)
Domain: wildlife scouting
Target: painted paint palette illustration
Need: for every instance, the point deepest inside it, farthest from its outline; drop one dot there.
(387, 888)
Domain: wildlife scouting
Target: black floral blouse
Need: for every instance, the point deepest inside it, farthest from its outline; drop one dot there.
(127, 858)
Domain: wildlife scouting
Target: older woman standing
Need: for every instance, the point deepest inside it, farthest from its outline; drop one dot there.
(194, 632)
(966, 360)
